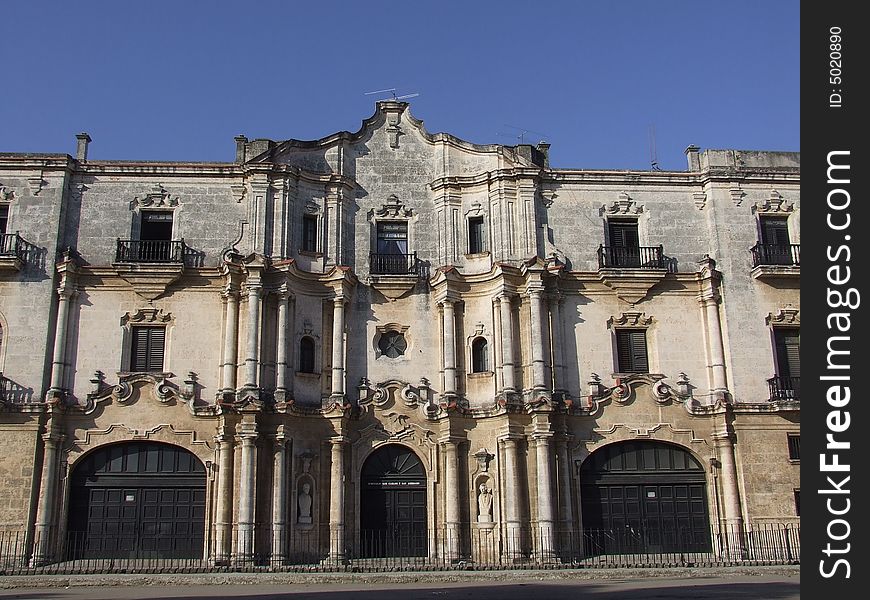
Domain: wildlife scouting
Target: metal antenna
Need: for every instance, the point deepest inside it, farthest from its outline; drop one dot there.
(392, 92)
(523, 131)
(653, 157)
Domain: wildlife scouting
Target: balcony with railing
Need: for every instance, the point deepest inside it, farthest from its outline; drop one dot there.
(638, 257)
(13, 252)
(394, 264)
(784, 389)
(776, 260)
(150, 251)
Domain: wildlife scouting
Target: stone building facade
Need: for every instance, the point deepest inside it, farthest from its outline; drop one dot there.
(328, 344)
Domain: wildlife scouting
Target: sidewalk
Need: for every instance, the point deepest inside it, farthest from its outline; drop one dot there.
(63, 581)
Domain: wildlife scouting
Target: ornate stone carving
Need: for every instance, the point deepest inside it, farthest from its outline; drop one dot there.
(6, 194)
(700, 199)
(484, 504)
(158, 197)
(304, 502)
(394, 208)
(775, 203)
(786, 316)
(147, 316)
(35, 183)
(630, 319)
(238, 191)
(737, 195)
(623, 206)
(483, 458)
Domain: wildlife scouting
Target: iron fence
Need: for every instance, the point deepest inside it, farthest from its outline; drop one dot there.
(150, 251)
(462, 546)
(776, 254)
(631, 257)
(394, 264)
(784, 388)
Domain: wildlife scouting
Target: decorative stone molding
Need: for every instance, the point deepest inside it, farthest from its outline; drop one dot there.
(161, 389)
(35, 183)
(476, 210)
(76, 191)
(238, 191)
(548, 197)
(393, 208)
(774, 204)
(394, 130)
(737, 195)
(630, 319)
(392, 327)
(147, 316)
(6, 194)
(158, 197)
(786, 316)
(623, 206)
(312, 208)
(483, 458)
(700, 199)
(392, 392)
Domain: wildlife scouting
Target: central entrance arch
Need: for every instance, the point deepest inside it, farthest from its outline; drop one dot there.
(644, 496)
(393, 503)
(137, 500)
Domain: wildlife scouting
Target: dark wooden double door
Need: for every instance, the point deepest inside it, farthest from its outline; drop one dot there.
(393, 504)
(138, 500)
(644, 497)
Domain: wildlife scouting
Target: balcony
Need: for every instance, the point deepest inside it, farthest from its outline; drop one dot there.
(776, 261)
(150, 266)
(631, 271)
(640, 257)
(394, 264)
(150, 251)
(784, 389)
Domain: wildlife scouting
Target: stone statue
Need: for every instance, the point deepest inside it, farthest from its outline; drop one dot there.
(484, 504)
(304, 502)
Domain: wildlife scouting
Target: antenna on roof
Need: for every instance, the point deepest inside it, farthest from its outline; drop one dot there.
(522, 133)
(653, 158)
(392, 92)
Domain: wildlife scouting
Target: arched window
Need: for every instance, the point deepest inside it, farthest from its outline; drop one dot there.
(479, 356)
(306, 355)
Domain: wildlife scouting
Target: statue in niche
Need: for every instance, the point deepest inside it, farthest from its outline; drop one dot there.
(304, 502)
(484, 504)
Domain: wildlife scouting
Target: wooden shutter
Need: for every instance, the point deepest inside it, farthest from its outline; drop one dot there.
(146, 351)
(774, 232)
(623, 234)
(631, 351)
(788, 352)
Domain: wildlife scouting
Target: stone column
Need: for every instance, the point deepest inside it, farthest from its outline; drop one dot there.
(513, 526)
(231, 341)
(449, 347)
(538, 361)
(247, 491)
(336, 502)
(566, 507)
(283, 383)
(556, 334)
(46, 533)
(544, 486)
(338, 346)
(65, 294)
(279, 501)
(224, 500)
(252, 354)
(452, 502)
(717, 346)
(507, 343)
(731, 512)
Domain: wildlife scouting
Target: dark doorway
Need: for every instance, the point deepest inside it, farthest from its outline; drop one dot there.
(137, 500)
(393, 504)
(644, 497)
(624, 243)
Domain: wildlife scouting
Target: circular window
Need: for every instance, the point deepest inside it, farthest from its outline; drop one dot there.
(392, 344)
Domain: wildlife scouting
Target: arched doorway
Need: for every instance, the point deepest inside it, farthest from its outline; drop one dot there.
(393, 503)
(644, 496)
(137, 499)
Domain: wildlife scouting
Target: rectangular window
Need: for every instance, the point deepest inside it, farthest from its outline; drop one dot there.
(774, 231)
(146, 350)
(631, 351)
(392, 237)
(156, 226)
(624, 250)
(797, 502)
(4, 218)
(476, 243)
(309, 233)
(788, 352)
(794, 446)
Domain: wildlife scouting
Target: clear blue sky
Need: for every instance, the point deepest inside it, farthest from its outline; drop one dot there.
(176, 80)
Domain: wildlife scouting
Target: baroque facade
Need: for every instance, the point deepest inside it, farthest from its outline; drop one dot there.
(328, 344)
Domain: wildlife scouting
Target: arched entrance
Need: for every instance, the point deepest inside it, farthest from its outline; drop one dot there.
(393, 503)
(137, 499)
(644, 496)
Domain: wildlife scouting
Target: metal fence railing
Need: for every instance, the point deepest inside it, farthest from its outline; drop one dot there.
(464, 546)
(776, 254)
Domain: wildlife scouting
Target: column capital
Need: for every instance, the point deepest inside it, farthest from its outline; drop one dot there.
(338, 441)
(53, 438)
(230, 291)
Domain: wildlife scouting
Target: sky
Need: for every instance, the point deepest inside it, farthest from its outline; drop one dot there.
(177, 80)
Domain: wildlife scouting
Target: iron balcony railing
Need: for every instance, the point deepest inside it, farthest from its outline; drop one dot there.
(150, 251)
(11, 245)
(394, 264)
(638, 257)
(776, 254)
(784, 388)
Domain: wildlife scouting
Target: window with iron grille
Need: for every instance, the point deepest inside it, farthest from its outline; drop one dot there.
(4, 218)
(309, 233)
(146, 350)
(794, 446)
(476, 243)
(631, 354)
(306, 355)
(392, 237)
(392, 344)
(479, 356)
